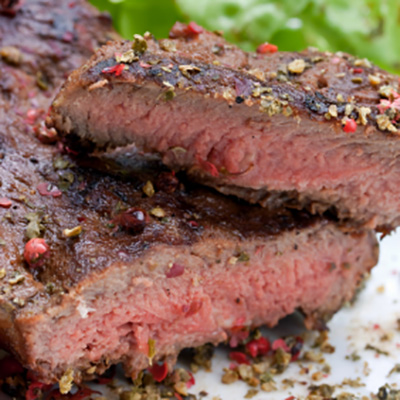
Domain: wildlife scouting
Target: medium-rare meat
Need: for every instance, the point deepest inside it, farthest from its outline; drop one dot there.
(94, 269)
(309, 129)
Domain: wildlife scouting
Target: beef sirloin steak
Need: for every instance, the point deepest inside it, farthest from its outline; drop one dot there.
(176, 268)
(309, 129)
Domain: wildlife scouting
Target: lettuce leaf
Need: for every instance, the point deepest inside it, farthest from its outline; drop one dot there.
(366, 28)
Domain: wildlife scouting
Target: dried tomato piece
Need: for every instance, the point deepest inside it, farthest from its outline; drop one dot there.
(36, 251)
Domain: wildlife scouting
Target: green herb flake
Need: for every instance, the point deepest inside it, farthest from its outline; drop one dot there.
(243, 257)
(376, 349)
(152, 350)
(35, 227)
(395, 370)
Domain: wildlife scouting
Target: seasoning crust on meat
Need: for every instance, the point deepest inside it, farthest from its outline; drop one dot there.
(305, 130)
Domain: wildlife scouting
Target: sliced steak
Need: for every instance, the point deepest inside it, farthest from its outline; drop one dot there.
(125, 266)
(309, 129)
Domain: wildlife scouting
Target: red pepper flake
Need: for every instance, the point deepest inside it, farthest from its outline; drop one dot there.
(9, 366)
(280, 344)
(290, 398)
(36, 251)
(116, 69)
(47, 189)
(239, 357)
(5, 203)
(350, 126)
(159, 371)
(358, 70)
(191, 381)
(175, 270)
(376, 326)
(267, 48)
(296, 348)
(178, 396)
(194, 29)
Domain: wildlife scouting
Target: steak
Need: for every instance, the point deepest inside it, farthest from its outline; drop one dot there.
(132, 266)
(304, 130)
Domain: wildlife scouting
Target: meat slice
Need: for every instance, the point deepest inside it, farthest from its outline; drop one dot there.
(128, 264)
(309, 129)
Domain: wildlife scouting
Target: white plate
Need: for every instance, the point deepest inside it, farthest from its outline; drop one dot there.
(374, 314)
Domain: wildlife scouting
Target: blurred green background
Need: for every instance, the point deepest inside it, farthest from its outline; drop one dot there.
(366, 28)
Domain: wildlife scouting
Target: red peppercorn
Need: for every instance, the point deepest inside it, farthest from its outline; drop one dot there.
(350, 126)
(194, 29)
(175, 270)
(5, 203)
(252, 348)
(358, 70)
(266, 48)
(159, 371)
(36, 251)
(134, 219)
(239, 357)
(258, 347)
(44, 134)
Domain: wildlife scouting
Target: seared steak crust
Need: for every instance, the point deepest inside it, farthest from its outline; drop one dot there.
(134, 261)
(309, 129)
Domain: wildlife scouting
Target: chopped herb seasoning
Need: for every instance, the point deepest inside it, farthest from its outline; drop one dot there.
(35, 227)
(297, 66)
(66, 381)
(188, 70)
(128, 57)
(151, 350)
(148, 189)
(158, 212)
(68, 233)
(139, 44)
(384, 123)
(11, 55)
(376, 349)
